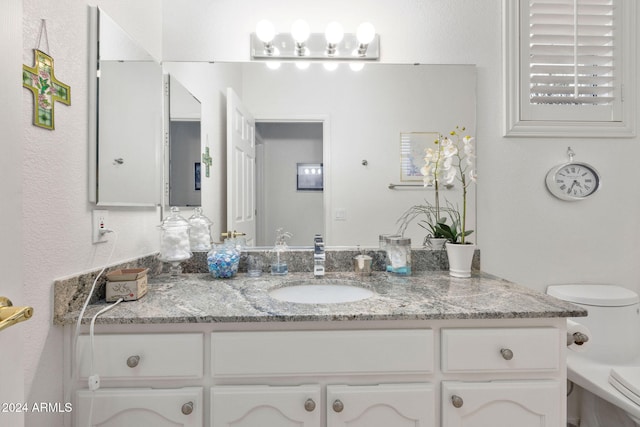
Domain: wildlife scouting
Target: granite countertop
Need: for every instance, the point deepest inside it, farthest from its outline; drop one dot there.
(428, 295)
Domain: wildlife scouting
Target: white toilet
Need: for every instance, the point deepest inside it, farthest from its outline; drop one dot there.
(608, 370)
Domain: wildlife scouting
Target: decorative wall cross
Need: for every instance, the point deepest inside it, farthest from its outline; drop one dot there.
(46, 89)
(207, 160)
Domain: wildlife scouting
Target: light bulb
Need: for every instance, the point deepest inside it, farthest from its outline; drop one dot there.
(356, 66)
(365, 33)
(300, 31)
(303, 65)
(265, 31)
(334, 33)
(330, 66)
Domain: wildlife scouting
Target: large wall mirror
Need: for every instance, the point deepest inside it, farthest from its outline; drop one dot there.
(354, 121)
(126, 118)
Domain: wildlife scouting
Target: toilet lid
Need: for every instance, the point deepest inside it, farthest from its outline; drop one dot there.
(627, 381)
(596, 295)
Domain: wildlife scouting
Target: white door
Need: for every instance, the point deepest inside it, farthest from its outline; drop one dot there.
(241, 168)
(140, 408)
(265, 406)
(385, 405)
(11, 353)
(502, 404)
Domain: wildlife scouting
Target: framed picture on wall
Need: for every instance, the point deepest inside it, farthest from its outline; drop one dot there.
(310, 177)
(412, 150)
(196, 175)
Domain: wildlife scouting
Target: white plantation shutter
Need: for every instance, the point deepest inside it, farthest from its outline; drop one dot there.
(571, 62)
(571, 52)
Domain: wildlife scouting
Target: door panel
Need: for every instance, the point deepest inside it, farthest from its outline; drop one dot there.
(241, 165)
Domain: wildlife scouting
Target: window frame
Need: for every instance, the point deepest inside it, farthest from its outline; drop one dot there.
(517, 125)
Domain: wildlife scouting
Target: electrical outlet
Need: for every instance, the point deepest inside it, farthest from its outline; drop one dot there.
(99, 223)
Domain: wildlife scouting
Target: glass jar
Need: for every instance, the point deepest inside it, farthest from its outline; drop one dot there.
(223, 260)
(200, 231)
(174, 240)
(399, 255)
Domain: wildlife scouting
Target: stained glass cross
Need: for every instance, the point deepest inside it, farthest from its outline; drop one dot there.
(207, 160)
(46, 89)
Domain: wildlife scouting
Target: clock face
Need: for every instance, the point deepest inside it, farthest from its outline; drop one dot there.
(573, 181)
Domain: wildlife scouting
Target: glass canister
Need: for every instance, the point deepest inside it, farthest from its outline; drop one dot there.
(223, 260)
(174, 240)
(399, 255)
(200, 231)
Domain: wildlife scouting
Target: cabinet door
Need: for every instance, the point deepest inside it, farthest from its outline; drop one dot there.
(118, 407)
(502, 404)
(385, 405)
(265, 406)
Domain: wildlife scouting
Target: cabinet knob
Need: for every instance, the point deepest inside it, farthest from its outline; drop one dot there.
(187, 408)
(133, 361)
(506, 354)
(457, 401)
(338, 406)
(309, 405)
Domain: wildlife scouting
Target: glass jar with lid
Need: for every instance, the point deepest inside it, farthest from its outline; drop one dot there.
(174, 240)
(399, 255)
(199, 231)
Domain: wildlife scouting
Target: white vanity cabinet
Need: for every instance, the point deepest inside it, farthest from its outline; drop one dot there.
(325, 357)
(380, 405)
(118, 407)
(133, 370)
(439, 373)
(500, 399)
(265, 406)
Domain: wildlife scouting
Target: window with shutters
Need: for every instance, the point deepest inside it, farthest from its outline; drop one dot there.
(570, 67)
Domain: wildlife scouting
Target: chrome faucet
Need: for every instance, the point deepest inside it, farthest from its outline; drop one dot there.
(318, 256)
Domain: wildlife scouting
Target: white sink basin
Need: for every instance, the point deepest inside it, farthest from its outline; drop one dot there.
(320, 293)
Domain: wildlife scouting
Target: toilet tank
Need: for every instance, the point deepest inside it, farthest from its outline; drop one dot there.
(613, 319)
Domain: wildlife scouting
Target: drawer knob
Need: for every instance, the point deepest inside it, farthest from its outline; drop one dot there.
(338, 406)
(309, 405)
(457, 401)
(506, 354)
(133, 361)
(187, 408)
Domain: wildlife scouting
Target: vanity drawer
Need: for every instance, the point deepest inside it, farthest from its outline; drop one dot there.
(500, 349)
(142, 355)
(243, 354)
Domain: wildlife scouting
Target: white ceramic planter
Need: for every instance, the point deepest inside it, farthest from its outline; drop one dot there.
(460, 258)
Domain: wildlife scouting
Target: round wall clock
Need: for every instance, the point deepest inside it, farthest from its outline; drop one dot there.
(573, 180)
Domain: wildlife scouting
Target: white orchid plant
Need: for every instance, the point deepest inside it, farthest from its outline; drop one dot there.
(452, 159)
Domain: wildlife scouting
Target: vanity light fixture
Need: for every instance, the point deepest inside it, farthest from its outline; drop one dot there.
(303, 45)
(300, 32)
(365, 34)
(265, 31)
(334, 35)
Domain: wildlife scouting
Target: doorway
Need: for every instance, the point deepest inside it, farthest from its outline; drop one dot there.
(282, 202)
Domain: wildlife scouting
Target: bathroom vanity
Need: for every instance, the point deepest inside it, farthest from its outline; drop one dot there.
(426, 350)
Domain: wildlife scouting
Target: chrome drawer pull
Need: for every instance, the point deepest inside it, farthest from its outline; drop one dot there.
(506, 354)
(309, 405)
(132, 361)
(187, 408)
(457, 401)
(338, 406)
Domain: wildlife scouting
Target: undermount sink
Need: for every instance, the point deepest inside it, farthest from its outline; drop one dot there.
(318, 293)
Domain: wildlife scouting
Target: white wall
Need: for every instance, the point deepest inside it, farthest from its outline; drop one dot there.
(525, 234)
(56, 214)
